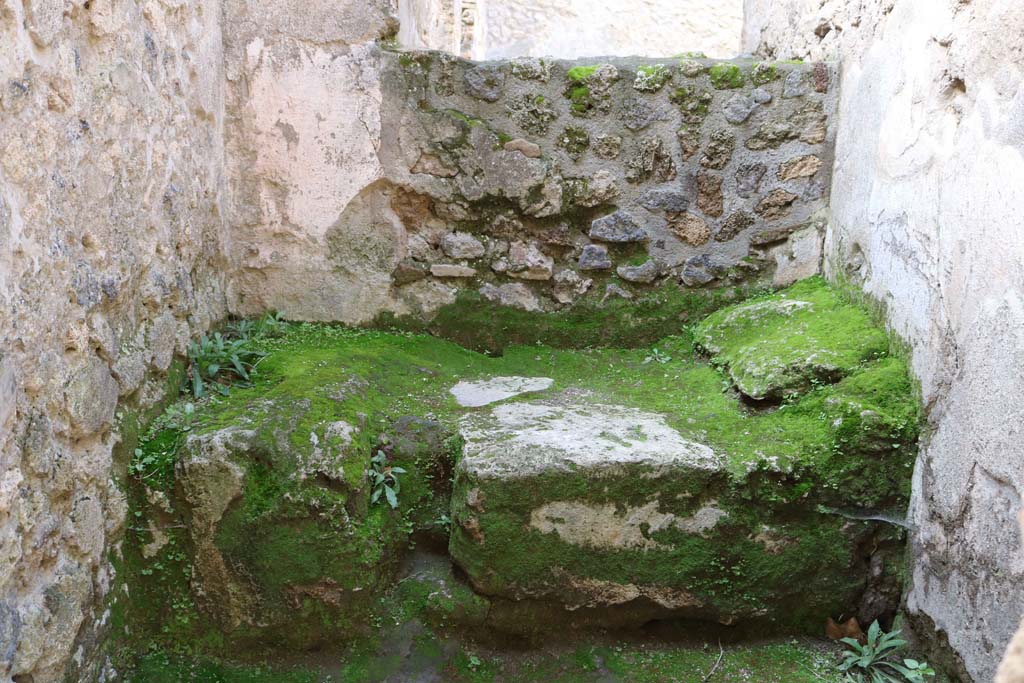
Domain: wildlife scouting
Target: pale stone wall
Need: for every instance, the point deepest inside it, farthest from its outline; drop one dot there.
(926, 218)
(304, 95)
(112, 195)
(430, 25)
(584, 28)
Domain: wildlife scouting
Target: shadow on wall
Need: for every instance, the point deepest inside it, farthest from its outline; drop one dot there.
(501, 29)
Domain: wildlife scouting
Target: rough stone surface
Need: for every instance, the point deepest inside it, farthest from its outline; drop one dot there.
(608, 146)
(484, 82)
(925, 221)
(617, 227)
(690, 228)
(595, 257)
(524, 147)
(800, 167)
(665, 199)
(511, 294)
(645, 273)
(113, 205)
(775, 205)
(157, 172)
(710, 198)
(531, 438)
(452, 270)
(527, 262)
(570, 285)
(462, 245)
(518, 158)
(484, 392)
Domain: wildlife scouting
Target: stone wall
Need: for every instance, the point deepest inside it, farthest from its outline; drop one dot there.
(531, 182)
(111, 222)
(925, 219)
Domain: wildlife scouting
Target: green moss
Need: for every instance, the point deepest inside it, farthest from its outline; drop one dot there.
(580, 89)
(651, 78)
(763, 72)
(578, 74)
(693, 103)
(476, 323)
(580, 98)
(726, 76)
(160, 667)
(574, 140)
(842, 442)
(533, 113)
(812, 568)
(418, 62)
(783, 343)
(792, 662)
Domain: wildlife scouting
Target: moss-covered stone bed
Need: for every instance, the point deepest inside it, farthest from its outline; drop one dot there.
(253, 534)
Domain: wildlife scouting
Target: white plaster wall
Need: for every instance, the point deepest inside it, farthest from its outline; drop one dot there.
(304, 131)
(926, 216)
(581, 28)
(430, 24)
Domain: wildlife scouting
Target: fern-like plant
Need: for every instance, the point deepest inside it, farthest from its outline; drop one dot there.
(384, 480)
(877, 661)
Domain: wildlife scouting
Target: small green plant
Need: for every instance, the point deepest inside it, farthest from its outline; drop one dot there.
(877, 660)
(179, 416)
(220, 362)
(657, 356)
(229, 359)
(270, 325)
(384, 480)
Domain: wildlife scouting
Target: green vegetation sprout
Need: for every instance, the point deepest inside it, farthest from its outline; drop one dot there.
(876, 661)
(384, 479)
(224, 360)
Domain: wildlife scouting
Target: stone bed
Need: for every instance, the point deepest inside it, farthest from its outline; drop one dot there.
(725, 476)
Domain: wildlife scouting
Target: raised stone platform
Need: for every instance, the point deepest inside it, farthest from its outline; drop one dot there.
(569, 501)
(594, 487)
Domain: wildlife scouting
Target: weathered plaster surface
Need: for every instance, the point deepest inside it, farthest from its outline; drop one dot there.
(925, 217)
(430, 25)
(583, 28)
(304, 110)
(112, 197)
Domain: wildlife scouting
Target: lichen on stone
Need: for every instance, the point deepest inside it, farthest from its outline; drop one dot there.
(651, 78)
(763, 72)
(694, 103)
(574, 140)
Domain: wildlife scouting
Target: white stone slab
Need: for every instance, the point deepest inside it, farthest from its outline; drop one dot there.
(484, 392)
(524, 439)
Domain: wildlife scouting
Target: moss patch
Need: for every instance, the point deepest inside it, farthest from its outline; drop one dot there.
(783, 343)
(726, 76)
(578, 74)
(478, 324)
(763, 72)
(694, 103)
